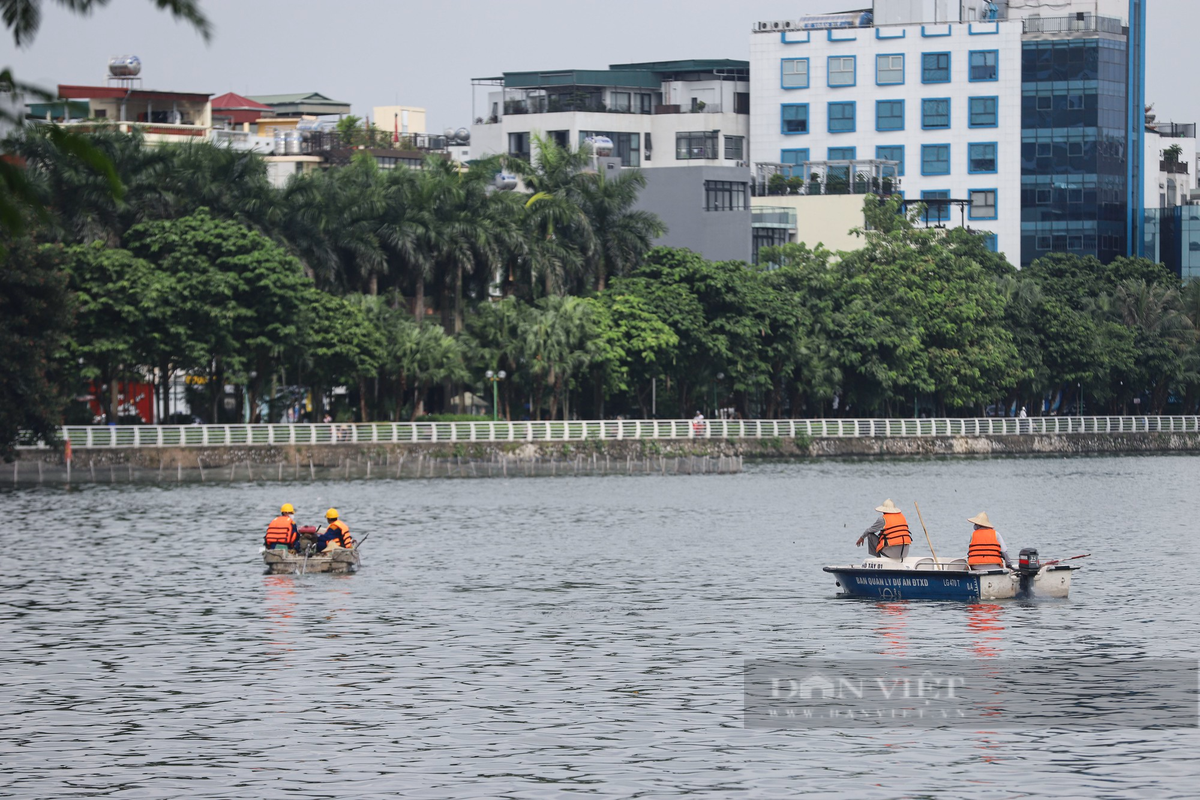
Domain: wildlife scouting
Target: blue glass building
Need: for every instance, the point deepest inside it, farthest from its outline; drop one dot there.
(1082, 135)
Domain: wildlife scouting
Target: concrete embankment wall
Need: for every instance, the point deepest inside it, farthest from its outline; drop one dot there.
(467, 459)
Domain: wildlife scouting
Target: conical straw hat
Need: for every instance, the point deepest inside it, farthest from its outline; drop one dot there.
(888, 507)
(981, 519)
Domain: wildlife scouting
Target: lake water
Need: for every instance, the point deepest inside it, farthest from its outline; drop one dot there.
(573, 636)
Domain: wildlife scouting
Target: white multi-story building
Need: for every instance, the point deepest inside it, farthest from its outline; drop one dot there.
(1019, 120)
(942, 100)
(685, 124)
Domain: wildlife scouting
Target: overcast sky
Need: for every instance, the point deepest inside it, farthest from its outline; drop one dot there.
(383, 52)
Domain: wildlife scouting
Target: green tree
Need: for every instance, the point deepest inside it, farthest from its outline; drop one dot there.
(622, 234)
(633, 347)
(35, 311)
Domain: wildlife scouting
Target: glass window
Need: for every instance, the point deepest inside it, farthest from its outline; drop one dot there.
(1074, 102)
(626, 146)
(1042, 197)
(935, 68)
(621, 101)
(724, 196)
(795, 73)
(936, 211)
(889, 70)
(793, 158)
(982, 157)
(735, 147)
(1074, 242)
(842, 153)
(935, 113)
(990, 243)
(695, 145)
(889, 115)
(1044, 150)
(985, 65)
(1075, 149)
(895, 153)
(840, 174)
(983, 204)
(645, 104)
(518, 145)
(983, 112)
(841, 117)
(1045, 102)
(841, 71)
(794, 118)
(935, 159)
(1044, 243)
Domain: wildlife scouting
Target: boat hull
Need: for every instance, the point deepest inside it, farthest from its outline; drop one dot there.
(285, 562)
(960, 585)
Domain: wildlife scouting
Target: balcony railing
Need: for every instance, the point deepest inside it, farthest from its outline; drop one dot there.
(1076, 23)
(1173, 167)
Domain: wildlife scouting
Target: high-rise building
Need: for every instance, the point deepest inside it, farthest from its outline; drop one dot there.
(1019, 120)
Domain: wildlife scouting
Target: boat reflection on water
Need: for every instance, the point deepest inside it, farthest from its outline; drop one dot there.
(279, 612)
(985, 621)
(893, 628)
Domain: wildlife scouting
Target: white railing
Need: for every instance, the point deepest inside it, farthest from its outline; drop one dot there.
(102, 436)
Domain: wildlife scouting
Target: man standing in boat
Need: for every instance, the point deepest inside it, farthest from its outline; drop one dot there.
(337, 534)
(889, 536)
(987, 550)
(282, 531)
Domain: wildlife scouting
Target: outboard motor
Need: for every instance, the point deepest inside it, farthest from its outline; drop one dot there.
(1027, 567)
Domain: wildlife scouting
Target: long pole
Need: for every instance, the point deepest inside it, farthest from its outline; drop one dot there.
(495, 401)
(927, 539)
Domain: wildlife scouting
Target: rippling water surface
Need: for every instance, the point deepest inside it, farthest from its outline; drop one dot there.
(548, 637)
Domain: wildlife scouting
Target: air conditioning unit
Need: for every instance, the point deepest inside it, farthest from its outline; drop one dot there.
(775, 26)
(787, 25)
(762, 26)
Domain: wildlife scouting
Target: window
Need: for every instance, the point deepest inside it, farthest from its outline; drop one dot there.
(735, 148)
(990, 243)
(794, 118)
(841, 117)
(935, 68)
(936, 211)
(724, 196)
(1074, 242)
(795, 73)
(1074, 102)
(1045, 102)
(1042, 197)
(626, 146)
(1074, 195)
(889, 70)
(983, 112)
(649, 146)
(840, 174)
(1075, 149)
(983, 204)
(842, 153)
(518, 145)
(985, 65)
(1044, 243)
(695, 145)
(645, 104)
(981, 157)
(621, 102)
(935, 113)
(793, 158)
(841, 71)
(935, 159)
(892, 153)
(889, 115)
(1044, 150)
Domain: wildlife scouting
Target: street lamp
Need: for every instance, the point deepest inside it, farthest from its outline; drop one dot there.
(495, 378)
(720, 377)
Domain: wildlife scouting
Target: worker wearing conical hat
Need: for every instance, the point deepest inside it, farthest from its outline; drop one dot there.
(987, 550)
(889, 535)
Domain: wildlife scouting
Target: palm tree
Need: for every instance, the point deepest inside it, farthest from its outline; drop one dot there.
(623, 235)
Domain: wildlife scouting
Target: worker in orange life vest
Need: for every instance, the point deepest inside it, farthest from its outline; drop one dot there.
(337, 534)
(889, 535)
(282, 531)
(987, 550)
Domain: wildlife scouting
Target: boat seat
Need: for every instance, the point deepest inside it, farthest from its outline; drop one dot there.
(955, 565)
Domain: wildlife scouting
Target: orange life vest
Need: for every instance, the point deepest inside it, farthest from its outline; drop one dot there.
(985, 548)
(282, 530)
(895, 531)
(343, 534)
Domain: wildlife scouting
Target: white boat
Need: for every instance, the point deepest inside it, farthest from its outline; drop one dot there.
(924, 578)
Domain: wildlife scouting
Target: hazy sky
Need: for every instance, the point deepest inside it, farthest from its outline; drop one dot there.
(382, 52)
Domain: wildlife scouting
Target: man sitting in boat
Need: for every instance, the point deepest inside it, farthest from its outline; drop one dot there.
(282, 532)
(888, 536)
(337, 534)
(987, 550)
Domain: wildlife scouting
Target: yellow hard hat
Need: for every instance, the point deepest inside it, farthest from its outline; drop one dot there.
(331, 514)
(286, 508)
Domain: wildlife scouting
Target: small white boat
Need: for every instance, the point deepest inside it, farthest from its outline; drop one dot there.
(924, 578)
(337, 560)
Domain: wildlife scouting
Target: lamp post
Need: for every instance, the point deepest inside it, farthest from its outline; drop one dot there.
(720, 377)
(495, 378)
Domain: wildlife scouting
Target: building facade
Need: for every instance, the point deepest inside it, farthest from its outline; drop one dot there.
(685, 124)
(1017, 121)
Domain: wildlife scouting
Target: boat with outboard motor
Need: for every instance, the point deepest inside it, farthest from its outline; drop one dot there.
(924, 578)
(304, 559)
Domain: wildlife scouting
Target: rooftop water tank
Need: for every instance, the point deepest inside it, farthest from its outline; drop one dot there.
(124, 66)
(601, 145)
(463, 135)
(505, 181)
